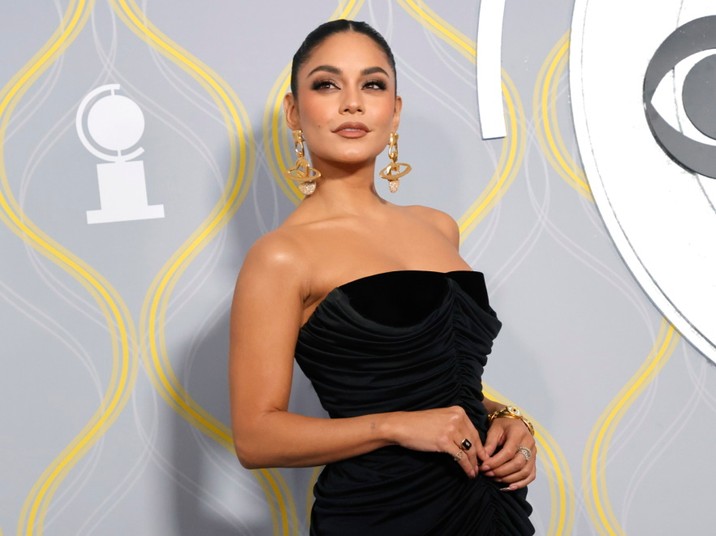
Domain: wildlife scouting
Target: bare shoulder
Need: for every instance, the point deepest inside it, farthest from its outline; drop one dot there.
(275, 259)
(442, 221)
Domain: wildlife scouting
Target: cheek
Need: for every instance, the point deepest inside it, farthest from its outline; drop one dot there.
(313, 114)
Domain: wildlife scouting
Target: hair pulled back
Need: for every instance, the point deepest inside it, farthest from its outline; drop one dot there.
(327, 29)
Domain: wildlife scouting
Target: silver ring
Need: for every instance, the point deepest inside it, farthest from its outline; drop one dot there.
(466, 444)
(527, 453)
(458, 456)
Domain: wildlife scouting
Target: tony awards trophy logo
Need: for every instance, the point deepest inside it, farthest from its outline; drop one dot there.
(115, 124)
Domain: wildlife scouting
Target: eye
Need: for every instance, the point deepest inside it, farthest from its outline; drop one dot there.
(375, 84)
(679, 96)
(323, 84)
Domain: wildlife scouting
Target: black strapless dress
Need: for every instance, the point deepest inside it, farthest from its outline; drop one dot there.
(405, 341)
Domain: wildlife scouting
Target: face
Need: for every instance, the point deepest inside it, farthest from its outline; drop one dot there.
(346, 103)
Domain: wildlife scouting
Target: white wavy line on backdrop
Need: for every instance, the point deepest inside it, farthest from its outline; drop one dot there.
(44, 268)
(707, 396)
(207, 266)
(477, 242)
(79, 479)
(113, 497)
(73, 486)
(387, 30)
(154, 108)
(173, 79)
(161, 63)
(151, 452)
(541, 208)
(448, 56)
(51, 326)
(189, 289)
(264, 171)
(445, 99)
(452, 62)
(622, 282)
(242, 482)
(669, 436)
(455, 64)
(33, 103)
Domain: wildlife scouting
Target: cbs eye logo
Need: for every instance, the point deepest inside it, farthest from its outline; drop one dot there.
(680, 96)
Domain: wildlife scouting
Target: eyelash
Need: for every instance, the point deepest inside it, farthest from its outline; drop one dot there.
(378, 85)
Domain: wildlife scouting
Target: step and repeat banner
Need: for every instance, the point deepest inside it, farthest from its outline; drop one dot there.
(142, 146)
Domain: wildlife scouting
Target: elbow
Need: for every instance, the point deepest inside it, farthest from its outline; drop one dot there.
(248, 452)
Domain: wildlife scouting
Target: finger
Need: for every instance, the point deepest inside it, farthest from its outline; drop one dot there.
(513, 471)
(470, 454)
(493, 440)
(511, 446)
(502, 464)
(463, 459)
(503, 456)
(520, 483)
(481, 453)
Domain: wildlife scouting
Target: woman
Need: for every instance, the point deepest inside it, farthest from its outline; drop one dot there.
(384, 317)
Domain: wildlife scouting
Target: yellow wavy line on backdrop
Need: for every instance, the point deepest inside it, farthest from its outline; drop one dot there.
(595, 457)
(544, 104)
(119, 322)
(562, 516)
(454, 37)
(511, 156)
(275, 132)
(153, 316)
(514, 145)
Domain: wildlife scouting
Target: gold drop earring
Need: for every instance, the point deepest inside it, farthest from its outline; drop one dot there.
(393, 171)
(302, 172)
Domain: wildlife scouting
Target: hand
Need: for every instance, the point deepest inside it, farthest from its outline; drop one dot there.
(441, 430)
(510, 465)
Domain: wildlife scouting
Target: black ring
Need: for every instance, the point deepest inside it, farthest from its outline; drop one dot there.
(466, 444)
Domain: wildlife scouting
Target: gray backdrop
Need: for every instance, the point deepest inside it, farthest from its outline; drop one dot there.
(114, 398)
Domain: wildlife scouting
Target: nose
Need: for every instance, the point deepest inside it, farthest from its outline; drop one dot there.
(352, 101)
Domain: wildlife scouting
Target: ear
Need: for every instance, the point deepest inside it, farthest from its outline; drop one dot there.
(290, 110)
(396, 112)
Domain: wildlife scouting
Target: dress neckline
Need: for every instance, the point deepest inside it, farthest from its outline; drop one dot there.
(390, 273)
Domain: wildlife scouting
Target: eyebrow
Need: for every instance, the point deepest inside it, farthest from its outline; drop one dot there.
(335, 70)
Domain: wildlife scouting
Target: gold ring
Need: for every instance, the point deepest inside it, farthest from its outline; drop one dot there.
(458, 456)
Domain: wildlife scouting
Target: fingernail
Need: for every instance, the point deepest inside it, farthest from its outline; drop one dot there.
(508, 488)
(485, 467)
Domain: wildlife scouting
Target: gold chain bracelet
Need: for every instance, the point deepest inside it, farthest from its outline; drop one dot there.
(510, 412)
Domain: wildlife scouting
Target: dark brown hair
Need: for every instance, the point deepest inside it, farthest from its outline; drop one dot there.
(327, 29)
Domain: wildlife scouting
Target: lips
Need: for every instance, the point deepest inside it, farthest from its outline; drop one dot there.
(351, 130)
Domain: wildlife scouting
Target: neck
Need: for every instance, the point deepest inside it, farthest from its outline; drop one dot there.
(345, 189)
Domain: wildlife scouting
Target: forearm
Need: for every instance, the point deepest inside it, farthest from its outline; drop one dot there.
(491, 405)
(283, 439)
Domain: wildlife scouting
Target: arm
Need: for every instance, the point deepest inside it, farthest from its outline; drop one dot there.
(266, 316)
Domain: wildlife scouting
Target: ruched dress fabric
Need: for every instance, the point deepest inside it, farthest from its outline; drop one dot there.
(405, 341)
